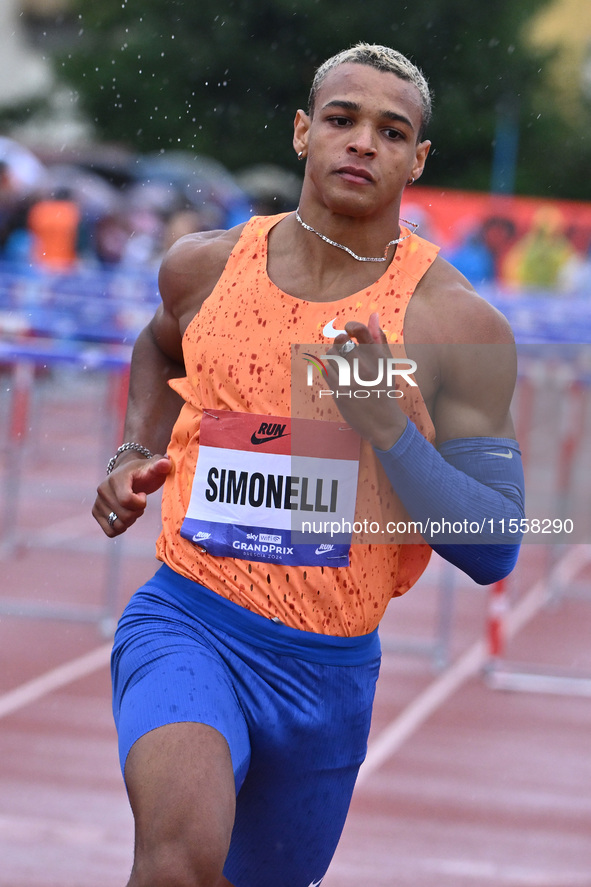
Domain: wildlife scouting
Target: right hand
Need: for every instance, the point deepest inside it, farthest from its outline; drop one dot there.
(125, 492)
(377, 419)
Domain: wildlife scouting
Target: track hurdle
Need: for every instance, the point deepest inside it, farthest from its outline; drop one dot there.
(436, 647)
(562, 563)
(24, 358)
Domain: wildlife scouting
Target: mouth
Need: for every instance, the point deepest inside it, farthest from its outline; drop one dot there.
(355, 174)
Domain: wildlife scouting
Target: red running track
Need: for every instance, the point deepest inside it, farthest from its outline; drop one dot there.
(464, 786)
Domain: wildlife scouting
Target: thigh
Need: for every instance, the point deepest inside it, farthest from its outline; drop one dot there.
(288, 826)
(167, 671)
(181, 788)
(305, 756)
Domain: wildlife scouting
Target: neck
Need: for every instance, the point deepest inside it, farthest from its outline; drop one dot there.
(352, 241)
(300, 264)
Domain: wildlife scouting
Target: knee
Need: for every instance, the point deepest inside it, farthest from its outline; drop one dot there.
(175, 865)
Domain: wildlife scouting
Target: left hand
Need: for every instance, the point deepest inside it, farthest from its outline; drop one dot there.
(376, 416)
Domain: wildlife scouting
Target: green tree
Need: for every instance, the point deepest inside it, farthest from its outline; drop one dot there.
(224, 77)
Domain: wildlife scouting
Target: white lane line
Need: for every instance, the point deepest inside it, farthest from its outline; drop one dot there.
(470, 663)
(67, 528)
(476, 871)
(55, 679)
(36, 831)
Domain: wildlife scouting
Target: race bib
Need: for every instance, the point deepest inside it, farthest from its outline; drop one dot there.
(273, 489)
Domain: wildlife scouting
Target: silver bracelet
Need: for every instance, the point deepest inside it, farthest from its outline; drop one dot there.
(143, 451)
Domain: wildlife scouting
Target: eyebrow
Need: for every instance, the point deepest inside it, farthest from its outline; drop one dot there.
(355, 106)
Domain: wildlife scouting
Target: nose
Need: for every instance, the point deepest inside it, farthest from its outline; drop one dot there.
(362, 142)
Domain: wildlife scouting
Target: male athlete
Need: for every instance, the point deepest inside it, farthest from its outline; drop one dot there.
(244, 671)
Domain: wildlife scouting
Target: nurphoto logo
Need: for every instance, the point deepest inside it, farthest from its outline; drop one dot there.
(387, 371)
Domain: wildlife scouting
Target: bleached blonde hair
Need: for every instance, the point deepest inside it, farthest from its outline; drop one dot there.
(383, 58)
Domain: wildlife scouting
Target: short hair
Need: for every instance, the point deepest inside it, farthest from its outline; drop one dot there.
(383, 58)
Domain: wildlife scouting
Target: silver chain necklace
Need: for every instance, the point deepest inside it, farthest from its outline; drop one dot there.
(414, 226)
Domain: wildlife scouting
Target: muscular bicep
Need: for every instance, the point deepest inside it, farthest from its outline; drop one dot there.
(165, 333)
(188, 274)
(465, 352)
(477, 384)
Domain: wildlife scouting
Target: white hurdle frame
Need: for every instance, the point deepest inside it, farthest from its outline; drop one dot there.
(563, 568)
(24, 358)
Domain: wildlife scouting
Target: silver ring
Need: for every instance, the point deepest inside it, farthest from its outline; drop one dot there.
(111, 519)
(346, 347)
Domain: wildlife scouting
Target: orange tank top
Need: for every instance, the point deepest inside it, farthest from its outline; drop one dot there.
(238, 358)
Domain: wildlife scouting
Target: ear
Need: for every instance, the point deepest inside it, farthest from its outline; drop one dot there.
(301, 125)
(422, 151)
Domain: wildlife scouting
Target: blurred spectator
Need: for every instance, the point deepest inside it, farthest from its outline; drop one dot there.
(145, 235)
(54, 224)
(110, 237)
(575, 275)
(18, 239)
(537, 259)
(271, 189)
(8, 191)
(10, 204)
(473, 258)
(498, 235)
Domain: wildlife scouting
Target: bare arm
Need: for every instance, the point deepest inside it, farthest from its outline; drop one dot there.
(152, 406)
(476, 479)
(152, 409)
(466, 367)
(187, 276)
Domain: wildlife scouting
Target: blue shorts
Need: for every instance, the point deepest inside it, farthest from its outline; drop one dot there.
(294, 707)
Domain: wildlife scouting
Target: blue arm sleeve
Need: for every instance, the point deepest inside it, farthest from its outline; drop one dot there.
(464, 496)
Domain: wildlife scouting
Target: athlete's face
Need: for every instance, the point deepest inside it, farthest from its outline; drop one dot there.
(362, 143)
